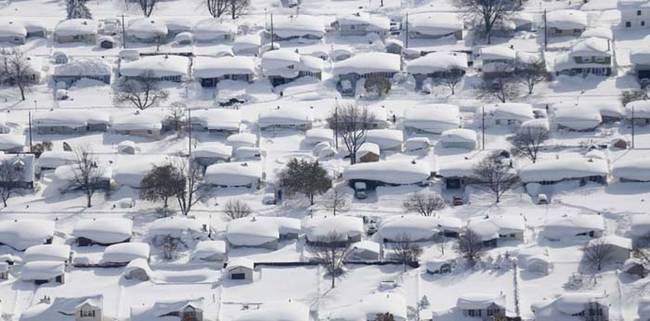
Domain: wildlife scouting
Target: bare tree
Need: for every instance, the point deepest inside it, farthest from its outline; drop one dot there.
(384, 316)
(336, 200)
(451, 79)
(598, 253)
(10, 174)
(238, 7)
(351, 122)
(86, 174)
(424, 203)
(170, 246)
(176, 118)
(441, 239)
(77, 9)
(306, 177)
(527, 142)
(330, 254)
(532, 74)
(488, 12)
(147, 6)
(235, 209)
(189, 192)
(161, 183)
(503, 86)
(470, 247)
(405, 251)
(217, 7)
(377, 85)
(497, 174)
(17, 70)
(143, 91)
(629, 96)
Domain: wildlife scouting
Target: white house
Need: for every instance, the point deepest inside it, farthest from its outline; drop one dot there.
(432, 118)
(210, 70)
(567, 227)
(128, 170)
(148, 123)
(388, 172)
(297, 27)
(482, 306)
(82, 68)
(103, 231)
(361, 24)
(566, 22)
(158, 67)
(589, 56)
(76, 30)
(62, 121)
(569, 305)
(121, 254)
(635, 14)
(193, 309)
(147, 30)
(86, 308)
(510, 114)
(253, 232)
(553, 171)
(436, 65)
(236, 174)
(21, 234)
(213, 29)
(208, 153)
(435, 25)
(12, 32)
(176, 226)
(496, 229)
(360, 66)
(497, 60)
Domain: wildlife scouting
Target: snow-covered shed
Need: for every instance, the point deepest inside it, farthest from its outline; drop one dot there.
(511, 114)
(568, 305)
(388, 172)
(159, 67)
(76, 30)
(571, 226)
(577, 118)
(82, 68)
(433, 118)
(282, 66)
(12, 32)
(213, 29)
(436, 65)
(209, 251)
(459, 138)
(62, 121)
(122, 253)
(347, 229)
(435, 25)
(48, 252)
(21, 234)
(360, 66)
(242, 139)
(557, 170)
(361, 24)
(186, 309)
(148, 123)
(438, 266)
(208, 153)
(482, 305)
(368, 152)
(23, 164)
(370, 307)
(247, 45)
(12, 143)
(103, 231)
(41, 272)
(235, 174)
(415, 228)
(285, 117)
(216, 120)
(386, 139)
(86, 308)
(494, 229)
(240, 268)
(566, 22)
(364, 251)
(638, 112)
(297, 27)
(147, 30)
(210, 70)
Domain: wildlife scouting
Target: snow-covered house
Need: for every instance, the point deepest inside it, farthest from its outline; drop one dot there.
(67, 175)
(52, 159)
(511, 114)
(432, 118)
(48, 252)
(21, 234)
(571, 226)
(240, 268)
(368, 308)
(495, 229)
(589, 56)
(640, 59)
(459, 138)
(147, 123)
(364, 251)
(577, 118)
(386, 139)
(638, 112)
(194, 309)
(76, 30)
(82, 68)
(497, 60)
(566, 22)
(572, 306)
(553, 171)
(87, 308)
(138, 270)
(24, 166)
(482, 306)
(631, 170)
(12, 32)
(146, 30)
(619, 248)
(235, 174)
(347, 229)
(297, 27)
(318, 135)
(611, 110)
(435, 25)
(436, 65)
(264, 232)
(41, 272)
(11, 143)
(212, 29)
(349, 71)
(62, 121)
(128, 170)
(247, 45)
(216, 120)
(206, 154)
(361, 24)
(282, 66)
(158, 67)
(122, 254)
(387, 172)
(209, 251)
(635, 14)
(242, 140)
(103, 231)
(175, 226)
(210, 70)
(415, 228)
(368, 152)
(287, 117)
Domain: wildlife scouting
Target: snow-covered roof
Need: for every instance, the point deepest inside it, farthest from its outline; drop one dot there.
(566, 19)
(212, 67)
(218, 118)
(638, 109)
(61, 308)
(607, 107)
(75, 27)
(632, 169)
(10, 28)
(599, 32)
(41, 270)
(212, 150)
(47, 252)
(385, 138)
(435, 23)
(249, 231)
(130, 169)
(212, 28)
(55, 158)
(248, 41)
(567, 305)
(240, 262)
(565, 168)
(516, 111)
(437, 62)
(459, 135)
(298, 26)
(535, 124)
(389, 171)
(317, 135)
(280, 62)
(368, 62)
(80, 67)
(242, 139)
(530, 58)
(491, 227)
(341, 225)
(175, 226)
(567, 226)
(70, 118)
(639, 225)
(372, 22)
(11, 141)
(432, 118)
(276, 311)
(146, 28)
(479, 301)
(368, 308)
(21, 234)
(413, 227)
(146, 120)
(311, 63)
(233, 174)
(126, 252)
(499, 52)
(170, 309)
(284, 116)
(368, 148)
(208, 248)
(578, 118)
(158, 65)
(591, 47)
(104, 230)
(640, 56)
(615, 241)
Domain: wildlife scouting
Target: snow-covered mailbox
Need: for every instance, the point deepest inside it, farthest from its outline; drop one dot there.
(102, 231)
(435, 25)
(576, 118)
(148, 123)
(340, 229)
(277, 311)
(264, 232)
(146, 30)
(21, 234)
(459, 138)
(209, 251)
(566, 22)
(547, 172)
(433, 118)
(415, 228)
(87, 308)
(570, 306)
(194, 309)
(370, 307)
(76, 30)
(638, 112)
(23, 164)
(240, 268)
(41, 272)
(568, 227)
(510, 114)
(285, 117)
(48, 252)
(235, 174)
(219, 120)
(496, 229)
(299, 27)
(437, 66)
(362, 24)
(363, 65)
(212, 29)
(497, 60)
(283, 66)
(12, 32)
(590, 56)
(640, 59)
(632, 170)
(61, 121)
(82, 68)
(388, 172)
(159, 67)
(206, 154)
(122, 254)
(210, 70)
(482, 306)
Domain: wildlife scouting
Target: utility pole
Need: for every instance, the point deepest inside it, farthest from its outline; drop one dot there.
(545, 31)
(632, 126)
(336, 124)
(272, 34)
(30, 131)
(123, 33)
(483, 127)
(406, 38)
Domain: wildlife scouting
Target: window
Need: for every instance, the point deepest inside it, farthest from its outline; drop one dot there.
(638, 12)
(628, 24)
(238, 276)
(599, 59)
(643, 23)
